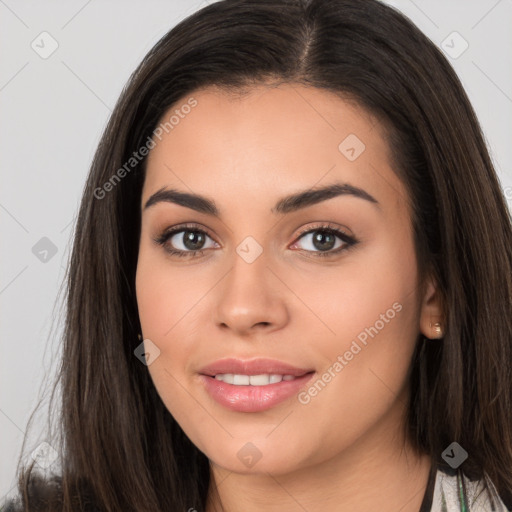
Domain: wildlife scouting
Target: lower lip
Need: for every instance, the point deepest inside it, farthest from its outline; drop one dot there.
(253, 398)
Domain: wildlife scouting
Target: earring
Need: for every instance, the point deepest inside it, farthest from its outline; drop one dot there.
(139, 336)
(438, 330)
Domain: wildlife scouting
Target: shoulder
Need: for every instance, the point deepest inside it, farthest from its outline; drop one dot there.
(45, 495)
(454, 491)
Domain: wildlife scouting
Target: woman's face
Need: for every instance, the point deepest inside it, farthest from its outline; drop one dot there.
(249, 183)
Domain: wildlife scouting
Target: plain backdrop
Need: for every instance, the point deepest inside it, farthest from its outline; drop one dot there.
(54, 108)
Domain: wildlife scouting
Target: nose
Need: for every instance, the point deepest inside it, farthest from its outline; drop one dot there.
(251, 299)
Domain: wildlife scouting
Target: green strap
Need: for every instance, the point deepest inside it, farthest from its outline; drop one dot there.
(463, 504)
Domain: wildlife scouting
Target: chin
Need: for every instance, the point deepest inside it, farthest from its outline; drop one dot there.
(258, 456)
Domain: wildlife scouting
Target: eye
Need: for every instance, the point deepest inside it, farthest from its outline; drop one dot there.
(190, 241)
(325, 240)
(185, 241)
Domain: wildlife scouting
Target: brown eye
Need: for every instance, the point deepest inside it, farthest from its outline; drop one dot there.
(324, 241)
(192, 240)
(183, 241)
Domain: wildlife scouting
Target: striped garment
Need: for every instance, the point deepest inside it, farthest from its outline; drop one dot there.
(454, 492)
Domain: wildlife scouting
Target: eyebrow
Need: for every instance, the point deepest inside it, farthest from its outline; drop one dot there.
(288, 204)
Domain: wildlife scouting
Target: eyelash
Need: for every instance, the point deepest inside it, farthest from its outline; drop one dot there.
(349, 241)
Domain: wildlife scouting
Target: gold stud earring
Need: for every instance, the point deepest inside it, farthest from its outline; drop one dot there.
(438, 330)
(139, 336)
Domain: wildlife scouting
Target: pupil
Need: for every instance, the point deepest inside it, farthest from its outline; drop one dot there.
(323, 240)
(193, 240)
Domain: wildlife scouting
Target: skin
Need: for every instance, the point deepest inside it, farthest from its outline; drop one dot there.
(344, 450)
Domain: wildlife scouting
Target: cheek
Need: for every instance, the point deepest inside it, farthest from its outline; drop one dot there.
(157, 299)
(165, 300)
(162, 300)
(370, 311)
(165, 294)
(344, 301)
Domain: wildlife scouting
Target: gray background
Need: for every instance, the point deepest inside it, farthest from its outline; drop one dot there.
(54, 110)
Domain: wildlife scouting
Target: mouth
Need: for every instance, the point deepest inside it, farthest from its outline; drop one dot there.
(253, 386)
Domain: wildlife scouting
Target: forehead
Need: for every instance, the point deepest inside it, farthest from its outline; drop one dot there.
(269, 140)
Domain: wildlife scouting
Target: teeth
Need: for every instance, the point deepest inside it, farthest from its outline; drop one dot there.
(227, 377)
(241, 380)
(252, 380)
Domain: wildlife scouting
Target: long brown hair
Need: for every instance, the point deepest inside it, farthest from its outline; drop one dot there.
(120, 447)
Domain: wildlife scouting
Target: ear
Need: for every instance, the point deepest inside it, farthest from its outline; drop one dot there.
(432, 311)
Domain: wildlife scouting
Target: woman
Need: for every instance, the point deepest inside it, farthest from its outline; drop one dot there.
(291, 282)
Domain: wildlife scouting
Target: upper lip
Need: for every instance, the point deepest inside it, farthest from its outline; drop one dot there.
(256, 366)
